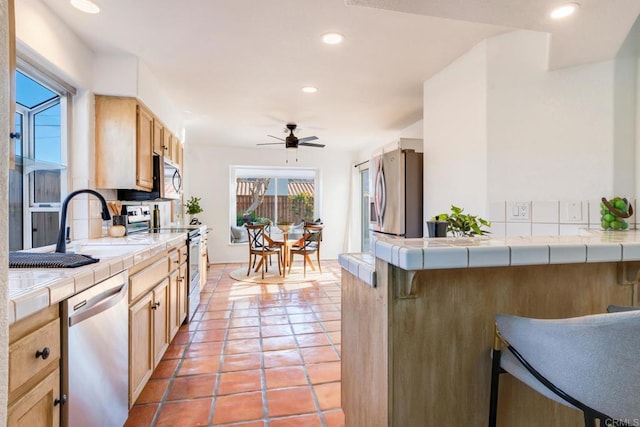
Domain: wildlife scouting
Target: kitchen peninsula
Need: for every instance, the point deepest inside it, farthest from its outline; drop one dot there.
(417, 328)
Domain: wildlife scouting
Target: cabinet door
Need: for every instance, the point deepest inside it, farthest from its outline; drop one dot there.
(140, 346)
(158, 135)
(181, 158)
(160, 307)
(166, 143)
(40, 406)
(144, 149)
(174, 307)
(182, 293)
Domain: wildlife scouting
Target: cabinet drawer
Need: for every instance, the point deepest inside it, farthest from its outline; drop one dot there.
(23, 362)
(144, 280)
(174, 260)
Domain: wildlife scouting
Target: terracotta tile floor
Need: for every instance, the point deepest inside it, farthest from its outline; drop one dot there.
(254, 355)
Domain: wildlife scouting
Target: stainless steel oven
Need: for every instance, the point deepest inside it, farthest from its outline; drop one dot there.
(194, 241)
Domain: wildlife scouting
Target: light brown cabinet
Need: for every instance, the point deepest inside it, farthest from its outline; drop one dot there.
(124, 130)
(158, 137)
(140, 346)
(157, 308)
(177, 289)
(166, 143)
(161, 310)
(149, 336)
(144, 149)
(34, 370)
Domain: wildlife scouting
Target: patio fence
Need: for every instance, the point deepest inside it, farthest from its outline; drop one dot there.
(267, 209)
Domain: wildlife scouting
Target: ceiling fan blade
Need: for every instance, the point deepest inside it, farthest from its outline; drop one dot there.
(311, 144)
(308, 138)
(276, 137)
(271, 143)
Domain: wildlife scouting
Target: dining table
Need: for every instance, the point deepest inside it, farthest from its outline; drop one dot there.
(284, 241)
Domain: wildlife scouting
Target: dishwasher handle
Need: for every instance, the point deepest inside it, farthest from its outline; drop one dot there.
(105, 302)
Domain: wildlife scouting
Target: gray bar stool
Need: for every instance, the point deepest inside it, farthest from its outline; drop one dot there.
(589, 363)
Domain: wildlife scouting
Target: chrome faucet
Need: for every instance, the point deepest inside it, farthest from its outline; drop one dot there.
(61, 246)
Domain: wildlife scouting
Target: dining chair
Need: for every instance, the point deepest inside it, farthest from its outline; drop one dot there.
(308, 244)
(260, 246)
(587, 363)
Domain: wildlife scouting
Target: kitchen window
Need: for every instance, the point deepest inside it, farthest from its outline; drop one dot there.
(37, 183)
(276, 194)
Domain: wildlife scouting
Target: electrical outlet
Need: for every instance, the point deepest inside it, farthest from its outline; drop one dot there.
(574, 211)
(520, 211)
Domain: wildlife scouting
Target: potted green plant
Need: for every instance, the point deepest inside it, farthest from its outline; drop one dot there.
(464, 225)
(193, 208)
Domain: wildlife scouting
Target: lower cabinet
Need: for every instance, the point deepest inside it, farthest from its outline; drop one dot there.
(157, 308)
(161, 310)
(40, 406)
(34, 370)
(140, 346)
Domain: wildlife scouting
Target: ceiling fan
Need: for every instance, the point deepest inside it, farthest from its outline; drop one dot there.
(292, 142)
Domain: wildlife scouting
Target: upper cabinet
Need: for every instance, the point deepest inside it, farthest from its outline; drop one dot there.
(128, 135)
(124, 144)
(158, 137)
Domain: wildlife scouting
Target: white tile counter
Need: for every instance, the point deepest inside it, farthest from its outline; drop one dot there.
(438, 253)
(32, 289)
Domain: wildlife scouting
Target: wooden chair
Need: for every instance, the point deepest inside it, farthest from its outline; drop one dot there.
(260, 245)
(308, 244)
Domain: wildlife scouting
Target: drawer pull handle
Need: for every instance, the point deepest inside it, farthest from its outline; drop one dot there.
(180, 278)
(62, 400)
(154, 306)
(176, 262)
(44, 353)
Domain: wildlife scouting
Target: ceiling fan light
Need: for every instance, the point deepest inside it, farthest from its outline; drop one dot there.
(291, 148)
(332, 38)
(564, 11)
(86, 6)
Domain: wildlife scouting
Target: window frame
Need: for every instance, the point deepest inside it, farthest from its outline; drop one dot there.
(239, 171)
(27, 140)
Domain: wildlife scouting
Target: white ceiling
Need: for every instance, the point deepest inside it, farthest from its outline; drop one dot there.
(238, 66)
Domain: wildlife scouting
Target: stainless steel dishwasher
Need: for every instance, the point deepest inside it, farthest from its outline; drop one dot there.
(95, 358)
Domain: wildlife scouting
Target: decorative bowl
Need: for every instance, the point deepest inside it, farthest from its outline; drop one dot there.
(285, 226)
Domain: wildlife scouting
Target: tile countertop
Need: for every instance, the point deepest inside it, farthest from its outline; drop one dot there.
(32, 289)
(437, 253)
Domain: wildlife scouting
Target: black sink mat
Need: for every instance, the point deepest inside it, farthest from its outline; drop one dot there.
(48, 260)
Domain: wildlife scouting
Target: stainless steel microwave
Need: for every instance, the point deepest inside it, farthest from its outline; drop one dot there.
(171, 181)
(167, 183)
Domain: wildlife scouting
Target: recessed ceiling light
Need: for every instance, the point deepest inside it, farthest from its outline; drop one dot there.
(332, 38)
(309, 89)
(86, 6)
(564, 10)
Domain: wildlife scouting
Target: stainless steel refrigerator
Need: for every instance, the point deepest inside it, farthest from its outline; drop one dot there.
(396, 193)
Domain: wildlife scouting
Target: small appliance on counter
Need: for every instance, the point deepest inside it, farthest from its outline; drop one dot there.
(138, 218)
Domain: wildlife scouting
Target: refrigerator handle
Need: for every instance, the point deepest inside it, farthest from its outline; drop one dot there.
(381, 196)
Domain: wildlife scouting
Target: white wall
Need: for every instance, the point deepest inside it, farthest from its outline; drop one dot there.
(549, 133)
(500, 127)
(455, 136)
(207, 176)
